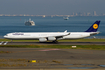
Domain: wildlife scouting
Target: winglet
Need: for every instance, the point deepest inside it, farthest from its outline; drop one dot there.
(94, 27)
(65, 31)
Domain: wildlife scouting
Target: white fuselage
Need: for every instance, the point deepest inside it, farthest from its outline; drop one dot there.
(38, 35)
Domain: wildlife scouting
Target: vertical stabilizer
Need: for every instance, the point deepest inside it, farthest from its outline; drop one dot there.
(94, 27)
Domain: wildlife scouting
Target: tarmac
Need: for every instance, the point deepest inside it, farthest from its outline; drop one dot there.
(51, 59)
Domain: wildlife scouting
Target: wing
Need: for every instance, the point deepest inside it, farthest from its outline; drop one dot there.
(60, 36)
(57, 37)
(54, 37)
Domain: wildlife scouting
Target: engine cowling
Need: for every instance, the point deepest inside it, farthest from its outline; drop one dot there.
(42, 39)
(51, 38)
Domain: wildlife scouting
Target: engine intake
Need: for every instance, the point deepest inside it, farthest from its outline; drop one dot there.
(51, 38)
(42, 39)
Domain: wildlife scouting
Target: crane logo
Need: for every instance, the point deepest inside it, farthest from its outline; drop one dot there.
(95, 26)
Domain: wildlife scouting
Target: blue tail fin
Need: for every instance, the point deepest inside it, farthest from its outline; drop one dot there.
(94, 27)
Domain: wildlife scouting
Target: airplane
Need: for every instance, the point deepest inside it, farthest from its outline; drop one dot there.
(53, 36)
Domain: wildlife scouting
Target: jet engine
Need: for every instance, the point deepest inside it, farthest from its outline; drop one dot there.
(42, 39)
(51, 38)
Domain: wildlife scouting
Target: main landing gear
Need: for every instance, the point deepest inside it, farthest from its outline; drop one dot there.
(55, 41)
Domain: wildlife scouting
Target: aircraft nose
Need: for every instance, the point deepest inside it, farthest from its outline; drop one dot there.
(5, 36)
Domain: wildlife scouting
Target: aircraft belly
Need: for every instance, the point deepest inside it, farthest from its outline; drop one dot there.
(22, 38)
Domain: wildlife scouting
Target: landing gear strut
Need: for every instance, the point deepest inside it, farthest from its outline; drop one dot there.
(55, 41)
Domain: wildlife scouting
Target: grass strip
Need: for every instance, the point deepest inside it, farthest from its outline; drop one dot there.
(96, 47)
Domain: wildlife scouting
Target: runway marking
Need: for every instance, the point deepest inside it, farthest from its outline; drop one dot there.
(6, 43)
(49, 49)
(1, 42)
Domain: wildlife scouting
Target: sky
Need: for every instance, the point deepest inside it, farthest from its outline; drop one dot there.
(51, 7)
